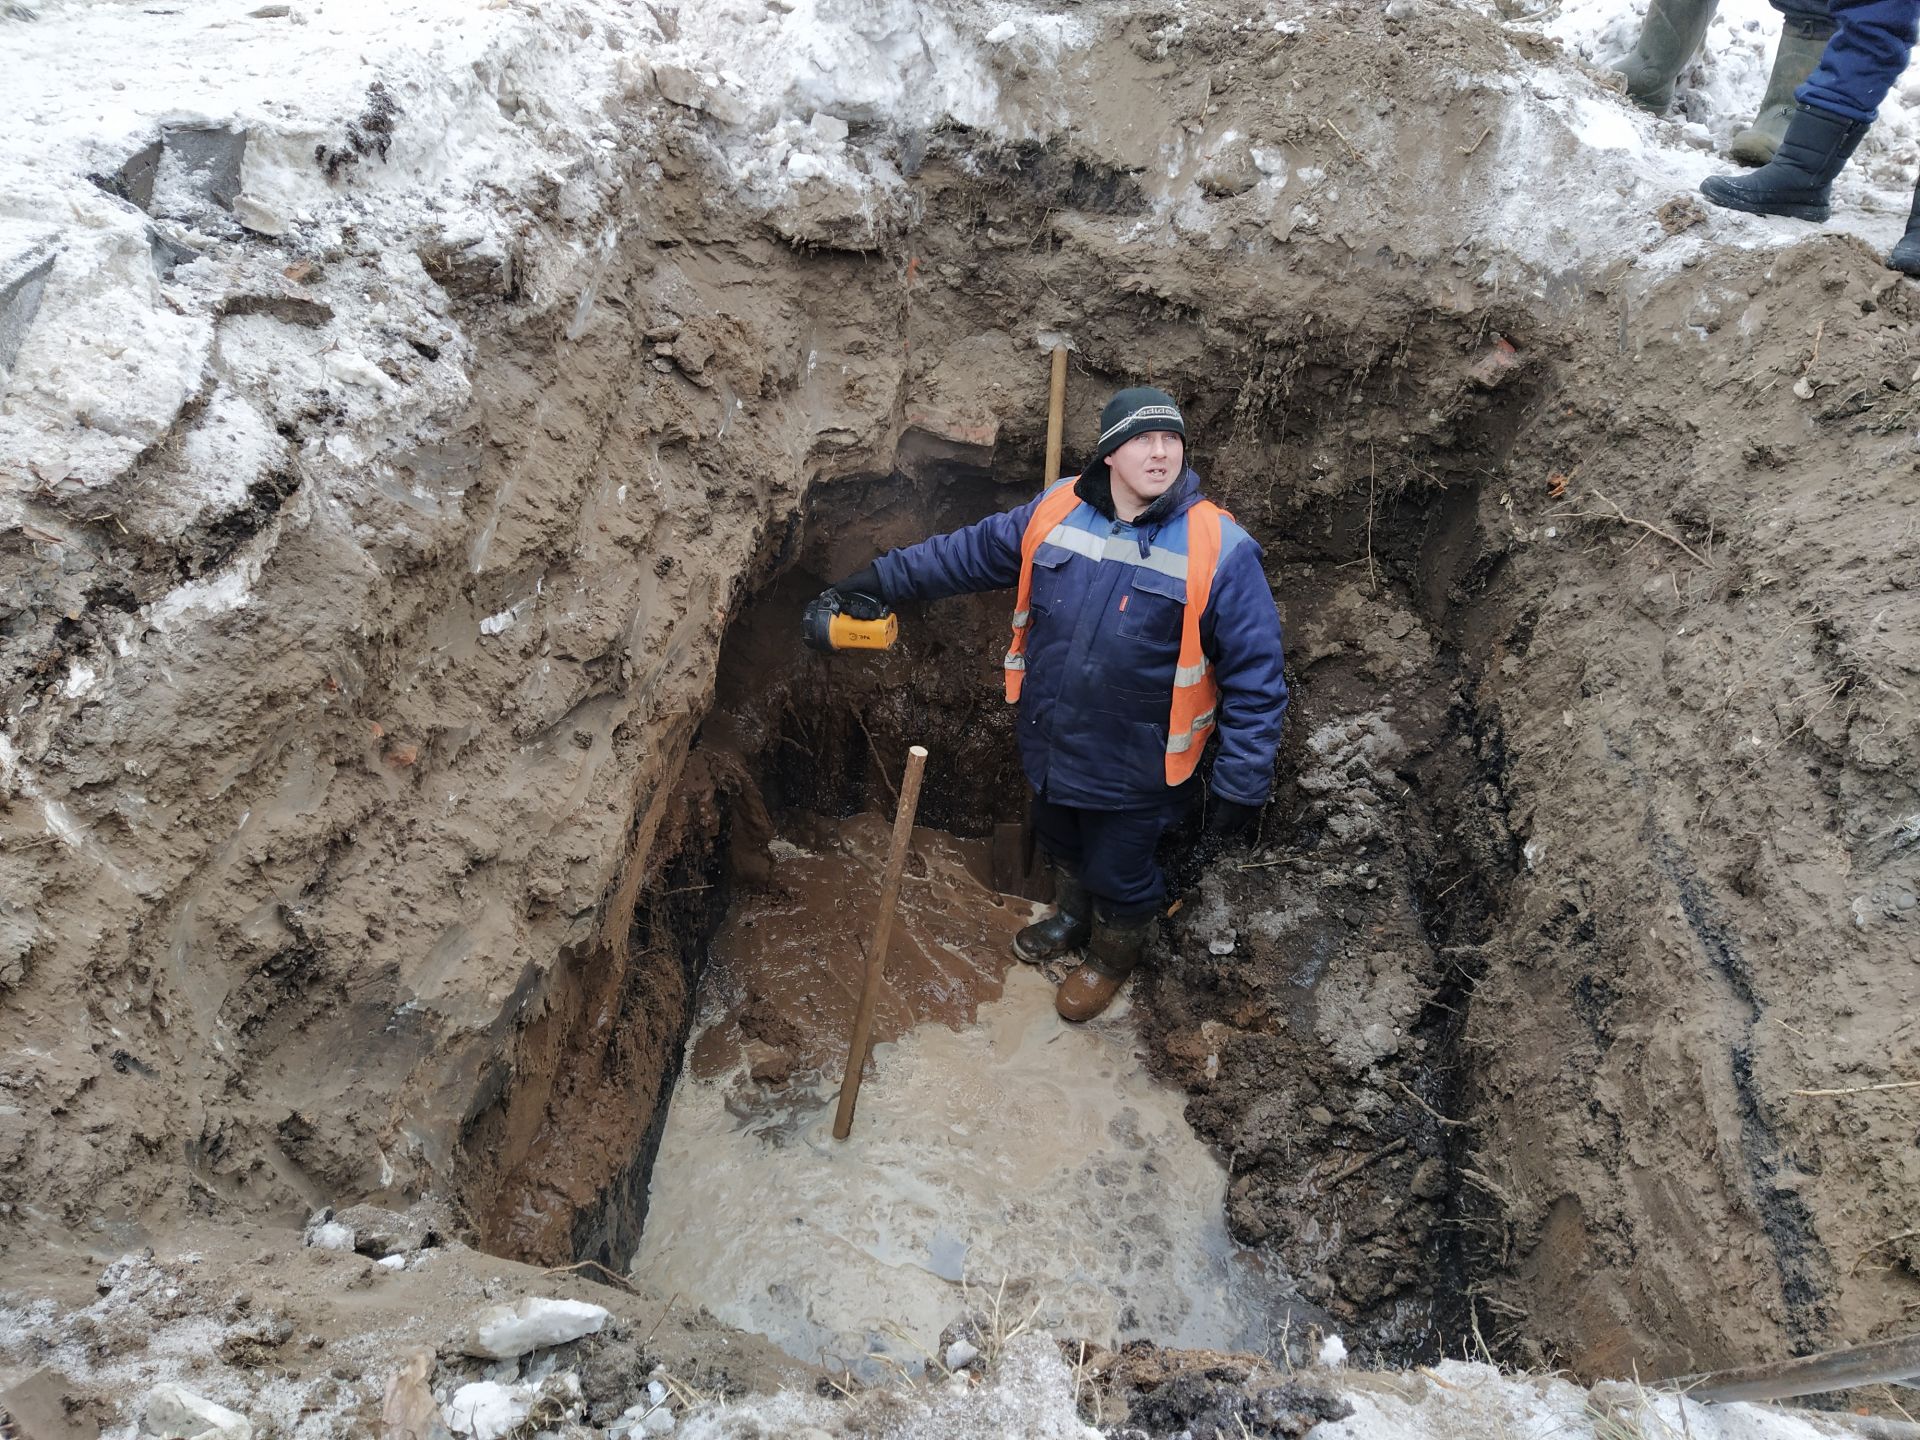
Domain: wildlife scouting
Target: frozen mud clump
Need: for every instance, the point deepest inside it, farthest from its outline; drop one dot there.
(1206, 1405)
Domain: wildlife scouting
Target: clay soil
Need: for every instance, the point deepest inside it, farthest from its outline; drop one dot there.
(1596, 836)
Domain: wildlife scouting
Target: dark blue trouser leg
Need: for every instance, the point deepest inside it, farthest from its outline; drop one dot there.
(1868, 51)
(1111, 851)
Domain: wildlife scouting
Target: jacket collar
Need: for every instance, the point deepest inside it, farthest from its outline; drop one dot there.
(1095, 487)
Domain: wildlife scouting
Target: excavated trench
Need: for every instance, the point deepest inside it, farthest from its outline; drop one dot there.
(1429, 1169)
(1349, 927)
(385, 829)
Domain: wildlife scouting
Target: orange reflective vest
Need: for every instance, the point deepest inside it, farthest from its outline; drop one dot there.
(1196, 696)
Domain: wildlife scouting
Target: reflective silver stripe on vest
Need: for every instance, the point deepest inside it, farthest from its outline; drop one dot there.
(1081, 542)
(1118, 547)
(1022, 618)
(1015, 662)
(1191, 674)
(1179, 744)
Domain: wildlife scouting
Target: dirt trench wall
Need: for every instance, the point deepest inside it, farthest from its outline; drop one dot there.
(345, 840)
(1713, 769)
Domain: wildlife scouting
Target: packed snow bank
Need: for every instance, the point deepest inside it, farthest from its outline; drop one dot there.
(418, 132)
(1033, 1392)
(1456, 1400)
(167, 146)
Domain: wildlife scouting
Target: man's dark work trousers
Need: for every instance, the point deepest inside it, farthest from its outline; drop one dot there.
(1112, 851)
(1864, 58)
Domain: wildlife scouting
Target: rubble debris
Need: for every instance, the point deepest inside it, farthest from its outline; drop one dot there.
(378, 1231)
(769, 1064)
(370, 134)
(210, 157)
(36, 1408)
(23, 282)
(503, 1332)
(409, 1411)
(176, 1413)
(704, 93)
(1201, 1404)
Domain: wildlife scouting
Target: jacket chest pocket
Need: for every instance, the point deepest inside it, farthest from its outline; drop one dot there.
(1052, 584)
(1153, 607)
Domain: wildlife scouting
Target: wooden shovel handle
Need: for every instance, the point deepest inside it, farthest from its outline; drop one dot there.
(862, 1037)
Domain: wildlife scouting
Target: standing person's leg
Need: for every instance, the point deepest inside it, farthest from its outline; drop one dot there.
(1670, 36)
(1129, 891)
(1057, 828)
(1805, 29)
(1869, 49)
(1871, 43)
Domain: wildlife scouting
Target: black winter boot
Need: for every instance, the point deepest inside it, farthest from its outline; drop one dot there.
(1798, 181)
(1066, 929)
(1905, 256)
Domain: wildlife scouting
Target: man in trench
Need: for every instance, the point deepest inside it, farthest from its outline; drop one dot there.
(1143, 626)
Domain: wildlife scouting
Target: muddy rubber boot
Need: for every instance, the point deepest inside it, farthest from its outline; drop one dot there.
(1905, 255)
(1798, 181)
(1065, 930)
(1116, 949)
(1800, 46)
(1669, 38)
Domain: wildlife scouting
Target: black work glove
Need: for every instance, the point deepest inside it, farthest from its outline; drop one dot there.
(860, 595)
(1229, 819)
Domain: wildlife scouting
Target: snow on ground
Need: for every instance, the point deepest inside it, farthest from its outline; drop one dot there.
(493, 100)
(488, 100)
(1031, 1394)
(1456, 1400)
(1716, 97)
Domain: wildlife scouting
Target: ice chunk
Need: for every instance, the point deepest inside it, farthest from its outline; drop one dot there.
(486, 1409)
(501, 1332)
(354, 369)
(330, 1236)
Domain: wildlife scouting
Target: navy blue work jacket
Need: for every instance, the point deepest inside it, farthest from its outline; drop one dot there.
(1107, 608)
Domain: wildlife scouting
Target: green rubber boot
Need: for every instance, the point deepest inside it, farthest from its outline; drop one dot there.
(1800, 46)
(1670, 36)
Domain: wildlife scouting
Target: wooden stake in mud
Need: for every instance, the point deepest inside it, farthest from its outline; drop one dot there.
(862, 1037)
(1056, 414)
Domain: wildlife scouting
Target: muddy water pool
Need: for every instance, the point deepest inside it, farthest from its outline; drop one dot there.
(994, 1145)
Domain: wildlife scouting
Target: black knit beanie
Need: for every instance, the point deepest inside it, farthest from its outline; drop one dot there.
(1136, 412)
